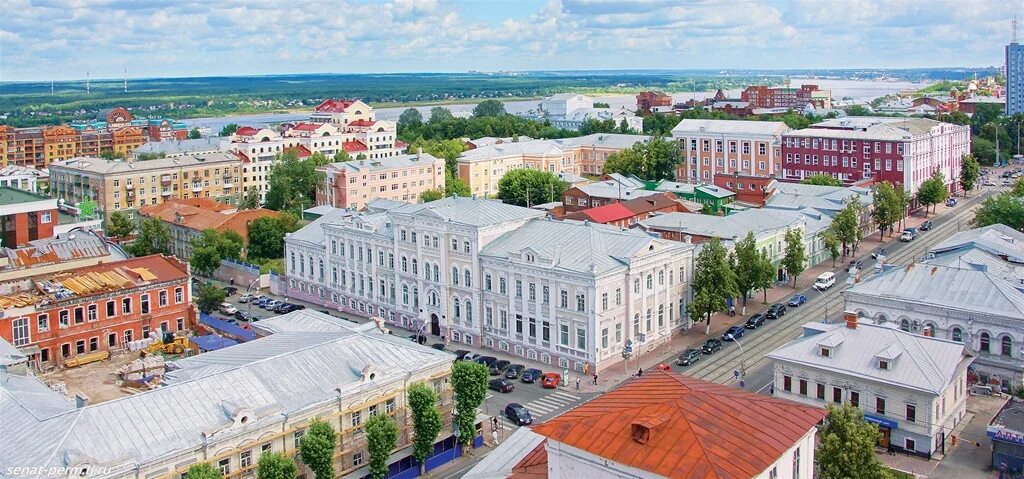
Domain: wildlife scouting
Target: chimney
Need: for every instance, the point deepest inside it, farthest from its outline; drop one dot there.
(688, 239)
(643, 427)
(81, 400)
(851, 319)
(419, 153)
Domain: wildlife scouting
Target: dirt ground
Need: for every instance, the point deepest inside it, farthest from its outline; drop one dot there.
(96, 381)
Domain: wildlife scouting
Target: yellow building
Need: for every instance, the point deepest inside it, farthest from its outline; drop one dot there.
(61, 144)
(117, 185)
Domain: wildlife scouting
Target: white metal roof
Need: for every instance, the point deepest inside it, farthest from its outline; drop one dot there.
(730, 127)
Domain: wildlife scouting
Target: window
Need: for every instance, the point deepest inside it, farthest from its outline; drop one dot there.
(546, 294)
(880, 405)
(533, 328)
(20, 331)
(563, 334)
(854, 398)
(774, 473)
(837, 395)
(455, 275)
(826, 352)
(162, 298)
(357, 459)
(820, 392)
(803, 387)
(64, 318)
(910, 444)
(179, 295)
(604, 301)
(581, 338)
(650, 281)
(79, 316)
(533, 292)
(984, 343)
(487, 281)
(796, 463)
(519, 288)
(883, 364)
(618, 296)
(502, 287)
(126, 305)
(43, 323)
(374, 410)
(225, 466)
(787, 383)
(1006, 346)
(636, 285)
(957, 335)
(563, 298)
(357, 418)
(245, 459)
(297, 438)
(581, 302)
(144, 304)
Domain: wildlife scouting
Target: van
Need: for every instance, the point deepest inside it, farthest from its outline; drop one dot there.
(825, 280)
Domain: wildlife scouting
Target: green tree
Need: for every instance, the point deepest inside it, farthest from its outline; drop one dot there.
(795, 259)
(902, 202)
(266, 235)
(489, 108)
(431, 195)
(251, 199)
(317, 448)
(932, 191)
(426, 422)
(601, 104)
(765, 273)
(212, 246)
(886, 212)
(970, 171)
(203, 470)
(293, 183)
(713, 282)
(229, 129)
(831, 242)
(439, 114)
(822, 179)
(527, 187)
(1018, 188)
(381, 439)
(1004, 208)
(654, 160)
(194, 134)
(447, 149)
(153, 238)
(319, 159)
(455, 186)
(846, 226)
(411, 117)
(847, 446)
(746, 265)
(469, 380)
(274, 465)
(341, 156)
(209, 297)
(119, 226)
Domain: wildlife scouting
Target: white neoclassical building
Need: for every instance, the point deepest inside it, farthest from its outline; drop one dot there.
(964, 304)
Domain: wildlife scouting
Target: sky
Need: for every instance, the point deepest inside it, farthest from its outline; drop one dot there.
(63, 39)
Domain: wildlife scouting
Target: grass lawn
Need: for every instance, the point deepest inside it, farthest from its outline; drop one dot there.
(900, 474)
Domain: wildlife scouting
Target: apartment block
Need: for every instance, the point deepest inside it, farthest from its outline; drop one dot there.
(726, 147)
(353, 184)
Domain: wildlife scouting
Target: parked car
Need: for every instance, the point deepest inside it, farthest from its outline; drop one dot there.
(501, 385)
(688, 357)
(227, 308)
(951, 202)
(460, 354)
(879, 253)
(438, 346)
(485, 360)
(854, 264)
(259, 301)
(927, 225)
(518, 414)
(531, 375)
(513, 371)
(550, 380)
(270, 305)
(711, 346)
(282, 308)
(246, 316)
(418, 338)
(776, 311)
(663, 367)
(470, 357)
(908, 235)
(733, 333)
(754, 321)
(825, 280)
(797, 300)
(230, 290)
(499, 366)
(245, 297)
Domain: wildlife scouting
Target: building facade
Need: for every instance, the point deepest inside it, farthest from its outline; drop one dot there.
(187, 219)
(647, 100)
(62, 315)
(913, 387)
(25, 217)
(902, 151)
(726, 147)
(1014, 78)
(760, 96)
(353, 184)
(117, 185)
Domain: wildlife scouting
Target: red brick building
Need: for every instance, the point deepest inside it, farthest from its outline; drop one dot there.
(58, 316)
(646, 100)
(752, 190)
(25, 216)
(760, 96)
(630, 212)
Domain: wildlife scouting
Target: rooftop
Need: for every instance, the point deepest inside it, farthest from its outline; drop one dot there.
(13, 196)
(997, 239)
(1010, 418)
(101, 166)
(733, 127)
(17, 170)
(389, 163)
(515, 148)
(915, 361)
(177, 147)
(58, 249)
(200, 219)
(477, 212)
(605, 140)
(732, 227)
(794, 196)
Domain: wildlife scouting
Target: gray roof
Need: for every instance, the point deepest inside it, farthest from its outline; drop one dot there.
(981, 260)
(612, 189)
(114, 167)
(9, 354)
(574, 246)
(868, 128)
(175, 147)
(605, 140)
(518, 148)
(998, 239)
(958, 289)
(478, 212)
(309, 321)
(377, 205)
(795, 196)
(66, 247)
(314, 231)
(734, 127)
(916, 361)
(570, 177)
(17, 170)
(1010, 417)
(389, 163)
(279, 375)
(493, 140)
(499, 463)
(689, 189)
(734, 226)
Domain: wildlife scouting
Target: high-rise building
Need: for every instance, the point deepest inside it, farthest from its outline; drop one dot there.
(1014, 76)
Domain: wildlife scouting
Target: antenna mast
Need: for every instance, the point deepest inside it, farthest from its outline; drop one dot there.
(86, 82)
(126, 80)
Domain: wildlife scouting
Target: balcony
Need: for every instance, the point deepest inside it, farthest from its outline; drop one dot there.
(165, 179)
(166, 192)
(197, 187)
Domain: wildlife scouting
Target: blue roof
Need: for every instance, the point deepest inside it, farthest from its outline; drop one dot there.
(213, 342)
(226, 328)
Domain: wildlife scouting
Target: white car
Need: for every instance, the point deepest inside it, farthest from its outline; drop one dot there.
(227, 308)
(825, 281)
(245, 298)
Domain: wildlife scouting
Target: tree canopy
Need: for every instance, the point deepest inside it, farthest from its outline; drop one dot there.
(469, 380)
(274, 465)
(293, 183)
(932, 191)
(489, 108)
(209, 297)
(527, 187)
(970, 171)
(153, 238)
(194, 134)
(229, 129)
(426, 421)
(1004, 208)
(822, 179)
(317, 448)
(203, 470)
(410, 117)
(887, 207)
(447, 149)
(713, 282)
(439, 114)
(847, 446)
(381, 439)
(212, 246)
(654, 160)
(119, 226)
(795, 259)
(746, 262)
(266, 235)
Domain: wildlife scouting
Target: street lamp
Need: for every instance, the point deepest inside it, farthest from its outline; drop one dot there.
(822, 291)
(742, 373)
(248, 304)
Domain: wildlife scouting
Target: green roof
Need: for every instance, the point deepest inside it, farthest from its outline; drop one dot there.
(13, 196)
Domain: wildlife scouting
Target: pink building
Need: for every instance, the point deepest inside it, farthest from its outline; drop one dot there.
(902, 151)
(353, 184)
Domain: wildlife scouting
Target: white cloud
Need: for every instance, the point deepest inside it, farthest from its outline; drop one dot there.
(44, 39)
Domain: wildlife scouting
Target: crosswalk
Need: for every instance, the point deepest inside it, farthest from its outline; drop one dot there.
(546, 407)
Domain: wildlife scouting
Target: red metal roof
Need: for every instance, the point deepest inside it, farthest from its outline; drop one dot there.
(362, 123)
(300, 151)
(400, 144)
(334, 106)
(608, 213)
(245, 131)
(242, 156)
(688, 428)
(354, 145)
(306, 126)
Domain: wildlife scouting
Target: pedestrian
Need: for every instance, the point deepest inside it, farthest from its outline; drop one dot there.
(577, 383)
(639, 372)
(494, 436)
(732, 311)
(595, 379)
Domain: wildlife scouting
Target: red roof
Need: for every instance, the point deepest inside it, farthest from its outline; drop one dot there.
(300, 151)
(400, 144)
(679, 426)
(362, 123)
(245, 131)
(608, 213)
(354, 145)
(242, 156)
(334, 106)
(306, 127)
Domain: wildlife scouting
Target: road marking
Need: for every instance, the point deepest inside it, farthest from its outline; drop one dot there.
(560, 393)
(551, 403)
(540, 407)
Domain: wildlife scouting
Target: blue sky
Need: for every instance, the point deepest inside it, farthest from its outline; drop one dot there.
(61, 39)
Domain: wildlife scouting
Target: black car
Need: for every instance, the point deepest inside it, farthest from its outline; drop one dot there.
(689, 357)
(485, 360)
(460, 354)
(927, 225)
(418, 338)
(518, 414)
(230, 290)
(854, 264)
(513, 371)
(776, 311)
(282, 308)
(438, 346)
(710, 346)
(531, 375)
(246, 316)
(501, 385)
(499, 366)
(754, 322)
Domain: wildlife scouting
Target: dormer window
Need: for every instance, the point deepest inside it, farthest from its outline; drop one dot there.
(530, 257)
(883, 364)
(826, 352)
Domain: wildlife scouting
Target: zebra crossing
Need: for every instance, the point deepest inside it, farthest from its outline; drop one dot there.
(545, 407)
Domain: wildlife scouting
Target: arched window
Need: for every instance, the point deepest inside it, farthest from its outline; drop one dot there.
(957, 335)
(983, 342)
(1006, 346)
(661, 315)
(405, 294)
(293, 262)
(405, 264)
(650, 316)
(469, 312)
(415, 269)
(905, 324)
(457, 310)
(455, 275)
(321, 264)
(415, 297)
(650, 281)
(426, 272)
(467, 283)
(302, 264)
(636, 324)
(310, 266)
(661, 278)
(502, 286)
(437, 273)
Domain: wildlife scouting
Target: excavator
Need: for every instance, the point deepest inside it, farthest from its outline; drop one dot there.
(169, 344)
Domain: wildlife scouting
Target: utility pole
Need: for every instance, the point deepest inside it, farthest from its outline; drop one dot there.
(87, 89)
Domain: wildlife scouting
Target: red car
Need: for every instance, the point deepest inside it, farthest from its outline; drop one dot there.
(550, 380)
(664, 367)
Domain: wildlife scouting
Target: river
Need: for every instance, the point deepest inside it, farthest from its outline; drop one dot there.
(856, 89)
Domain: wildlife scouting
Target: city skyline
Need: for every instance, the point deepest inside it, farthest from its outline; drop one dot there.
(192, 39)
